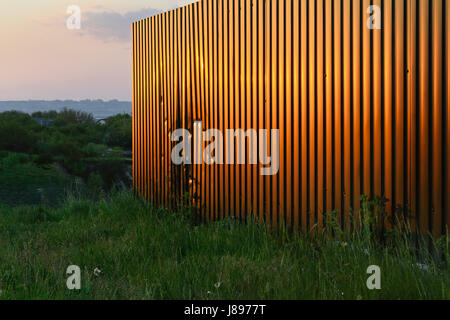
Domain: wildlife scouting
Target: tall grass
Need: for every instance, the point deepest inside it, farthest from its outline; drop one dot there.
(148, 253)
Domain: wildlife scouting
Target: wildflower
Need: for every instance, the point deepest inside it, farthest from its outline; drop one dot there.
(97, 272)
(359, 297)
(208, 293)
(344, 244)
(217, 285)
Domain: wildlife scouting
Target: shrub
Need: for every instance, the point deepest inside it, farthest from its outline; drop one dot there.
(74, 140)
(119, 131)
(45, 114)
(95, 183)
(95, 150)
(112, 170)
(69, 116)
(16, 138)
(12, 159)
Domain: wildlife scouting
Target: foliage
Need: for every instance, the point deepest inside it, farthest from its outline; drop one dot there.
(146, 253)
(17, 132)
(45, 114)
(73, 140)
(68, 116)
(119, 131)
(23, 182)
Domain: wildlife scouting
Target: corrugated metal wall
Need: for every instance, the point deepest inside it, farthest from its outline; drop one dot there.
(360, 111)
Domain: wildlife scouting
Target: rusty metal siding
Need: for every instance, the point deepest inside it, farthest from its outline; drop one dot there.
(360, 111)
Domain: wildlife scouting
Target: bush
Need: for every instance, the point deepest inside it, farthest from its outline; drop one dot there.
(74, 140)
(45, 114)
(119, 131)
(13, 159)
(18, 132)
(22, 119)
(44, 151)
(65, 146)
(95, 183)
(69, 116)
(95, 150)
(16, 138)
(112, 170)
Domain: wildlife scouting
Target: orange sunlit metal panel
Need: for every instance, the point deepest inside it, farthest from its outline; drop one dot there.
(360, 110)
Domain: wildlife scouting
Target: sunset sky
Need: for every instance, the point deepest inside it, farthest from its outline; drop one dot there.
(41, 59)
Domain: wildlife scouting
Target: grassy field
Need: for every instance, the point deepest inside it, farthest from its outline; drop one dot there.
(144, 253)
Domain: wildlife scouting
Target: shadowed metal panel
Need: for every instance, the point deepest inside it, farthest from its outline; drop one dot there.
(447, 110)
(356, 142)
(360, 111)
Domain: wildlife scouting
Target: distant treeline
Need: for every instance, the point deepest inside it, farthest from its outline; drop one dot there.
(99, 108)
